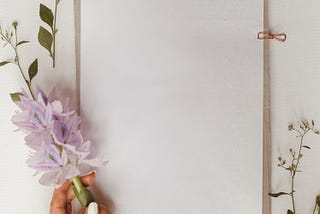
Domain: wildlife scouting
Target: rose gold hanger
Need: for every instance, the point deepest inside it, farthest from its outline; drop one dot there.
(281, 37)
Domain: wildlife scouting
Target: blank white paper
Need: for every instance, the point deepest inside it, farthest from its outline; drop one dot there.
(172, 94)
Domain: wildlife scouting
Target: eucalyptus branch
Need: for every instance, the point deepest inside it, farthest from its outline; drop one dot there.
(7, 37)
(48, 39)
(293, 168)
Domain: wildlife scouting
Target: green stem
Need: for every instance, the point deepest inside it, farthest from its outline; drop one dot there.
(293, 175)
(19, 66)
(54, 31)
(83, 195)
(314, 210)
(77, 183)
(292, 195)
(17, 60)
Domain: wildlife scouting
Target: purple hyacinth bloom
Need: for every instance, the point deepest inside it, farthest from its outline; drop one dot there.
(34, 116)
(58, 149)
(54, 165)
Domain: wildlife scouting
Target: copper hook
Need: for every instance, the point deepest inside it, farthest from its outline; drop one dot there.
(281, 37)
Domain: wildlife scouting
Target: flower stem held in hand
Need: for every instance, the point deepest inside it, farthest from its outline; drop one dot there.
(83, 194)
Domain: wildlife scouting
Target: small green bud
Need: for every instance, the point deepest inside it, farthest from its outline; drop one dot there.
(305, 123)
(290, 127)
(15, 24)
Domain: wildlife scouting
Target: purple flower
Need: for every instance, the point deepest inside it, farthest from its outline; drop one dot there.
(34, 117)
(54, 165)
(59, 151)
(66, 130)
(35, 140)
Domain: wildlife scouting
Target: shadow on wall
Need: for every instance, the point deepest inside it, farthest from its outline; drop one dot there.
(97, 135)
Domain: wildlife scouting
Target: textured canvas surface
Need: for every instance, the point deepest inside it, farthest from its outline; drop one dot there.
(20, 192)
(295, 84)
(172, 91)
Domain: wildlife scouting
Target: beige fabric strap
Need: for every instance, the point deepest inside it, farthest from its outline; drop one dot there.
(266, 200)
(77, 26)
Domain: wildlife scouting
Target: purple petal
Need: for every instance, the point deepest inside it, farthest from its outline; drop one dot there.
(35, 139)
(37, 116)
(60, 131)
(42, 98)
(53, 95)
(50, 178)
(52, 154)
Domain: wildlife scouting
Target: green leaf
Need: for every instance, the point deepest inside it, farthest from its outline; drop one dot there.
(318, 200)
(275, 195)
(45, 39)
(4, 63)
(290, 212)
(22, 42)
(289, 168)
(307, 147)
(15, 97)
(33, 69)
(46, 15)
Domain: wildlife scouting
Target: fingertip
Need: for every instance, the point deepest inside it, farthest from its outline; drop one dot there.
(64, 186)
(88, 180)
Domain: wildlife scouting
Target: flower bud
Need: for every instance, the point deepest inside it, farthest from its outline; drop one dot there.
(15, 24)
(290, 127)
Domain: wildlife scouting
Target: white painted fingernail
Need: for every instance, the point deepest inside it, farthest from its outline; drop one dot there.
(93, 208)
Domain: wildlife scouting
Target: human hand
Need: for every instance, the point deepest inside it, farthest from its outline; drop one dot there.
(63, 196)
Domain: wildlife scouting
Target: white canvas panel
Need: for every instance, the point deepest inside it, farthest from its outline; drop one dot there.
(295, 79)
(20, 192)
(172, 95)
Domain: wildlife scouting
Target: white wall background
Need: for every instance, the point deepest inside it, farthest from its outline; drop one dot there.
(295, 79)
(20, 192)
(172, 94)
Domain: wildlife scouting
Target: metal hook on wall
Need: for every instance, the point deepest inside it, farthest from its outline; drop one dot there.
(281, 37)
